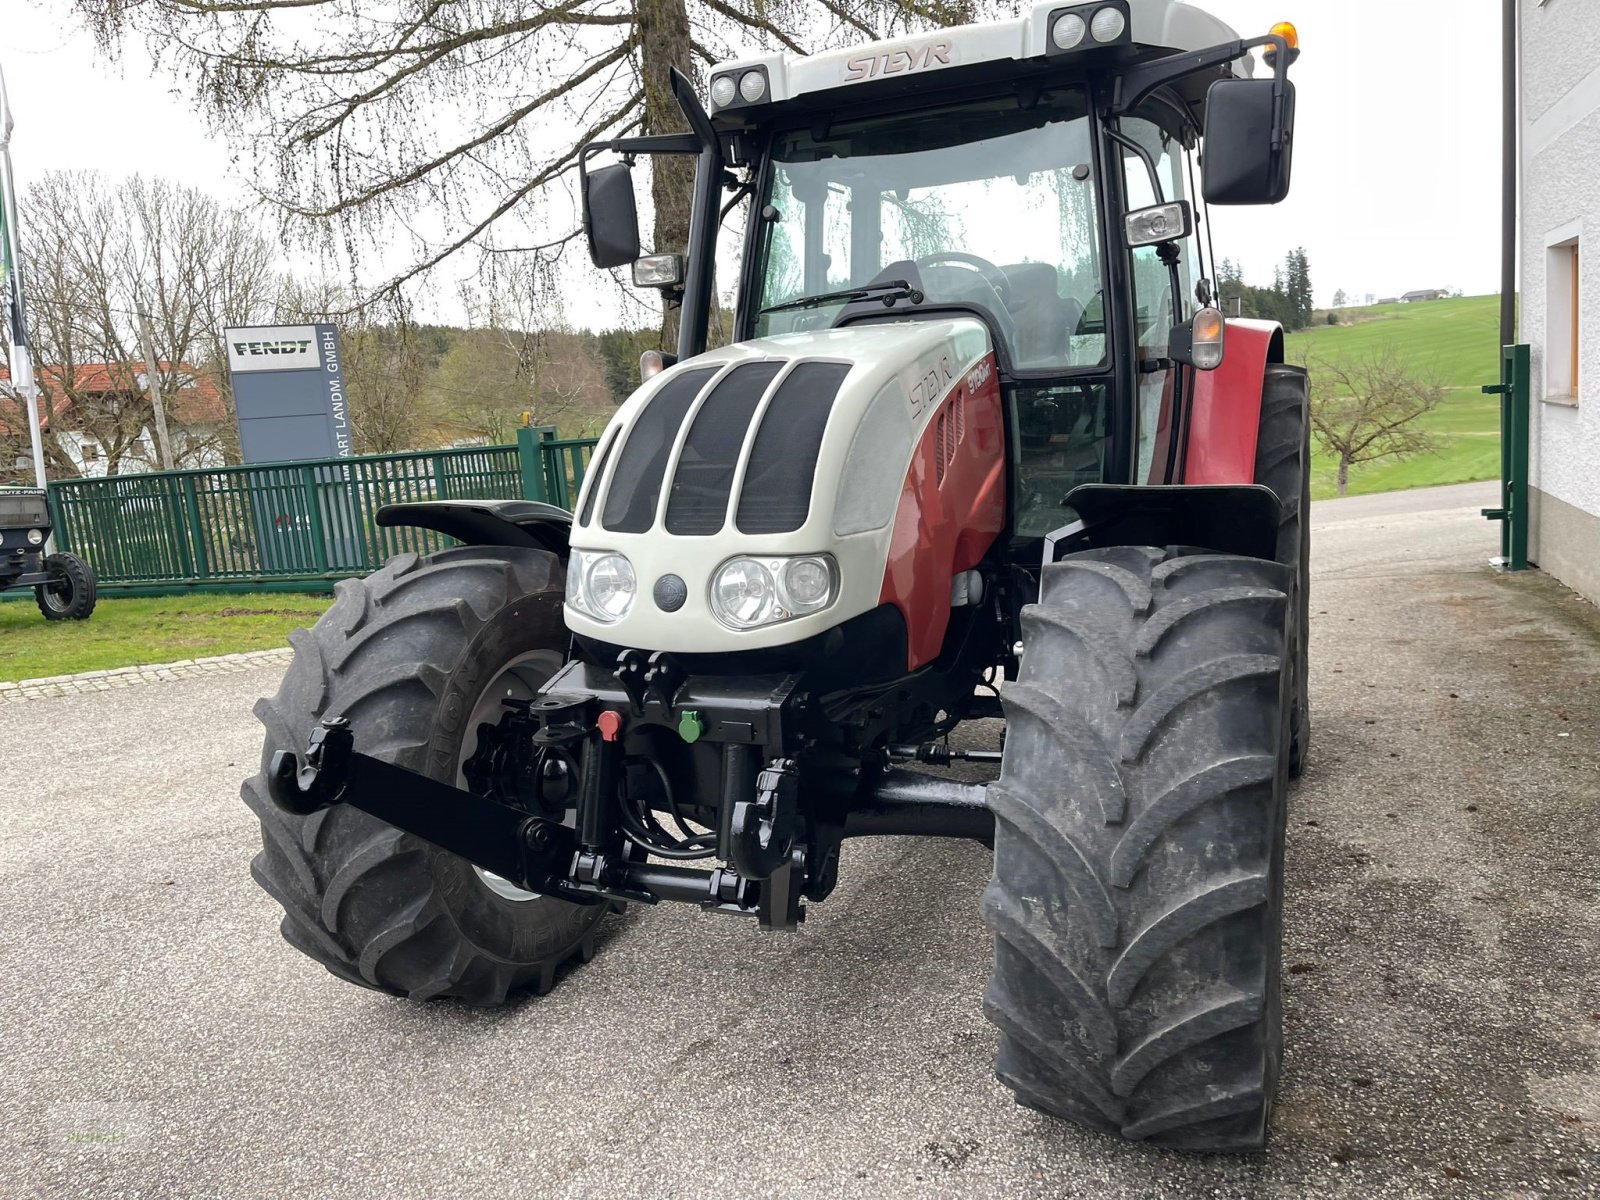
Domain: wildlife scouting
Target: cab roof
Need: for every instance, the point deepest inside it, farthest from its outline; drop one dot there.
(834, 78)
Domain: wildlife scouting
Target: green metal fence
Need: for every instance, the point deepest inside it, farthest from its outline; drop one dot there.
(290, 526)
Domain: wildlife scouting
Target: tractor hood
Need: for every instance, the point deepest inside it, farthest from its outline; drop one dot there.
(795, 445)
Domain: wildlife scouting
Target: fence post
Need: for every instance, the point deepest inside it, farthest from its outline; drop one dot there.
(58, 524)
(319, 544)
(176, 535)
(1514, 390)
(197, 533)
(530, 462)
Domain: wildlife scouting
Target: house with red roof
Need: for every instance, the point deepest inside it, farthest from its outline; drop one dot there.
(99, 416)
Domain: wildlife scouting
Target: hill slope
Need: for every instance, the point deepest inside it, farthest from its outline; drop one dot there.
(1456, 340)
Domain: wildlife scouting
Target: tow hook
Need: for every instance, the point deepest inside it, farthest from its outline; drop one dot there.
(305, 788)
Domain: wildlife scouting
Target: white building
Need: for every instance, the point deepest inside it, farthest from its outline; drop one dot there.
(1560, 70)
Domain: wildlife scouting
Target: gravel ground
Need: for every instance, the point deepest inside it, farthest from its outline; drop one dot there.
(1442, 987)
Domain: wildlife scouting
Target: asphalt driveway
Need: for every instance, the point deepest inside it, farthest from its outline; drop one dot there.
(157, 1037)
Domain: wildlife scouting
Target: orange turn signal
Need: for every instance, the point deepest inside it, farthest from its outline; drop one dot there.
(1287, 32)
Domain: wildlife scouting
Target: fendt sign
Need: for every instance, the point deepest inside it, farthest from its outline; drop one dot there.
(288, 389)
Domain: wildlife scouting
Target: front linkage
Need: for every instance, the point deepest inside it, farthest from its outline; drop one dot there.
(563, 791)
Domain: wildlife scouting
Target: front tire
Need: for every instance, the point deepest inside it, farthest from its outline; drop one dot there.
(71, 593)
(414, 656)
(1138, 871)
(1283, 463)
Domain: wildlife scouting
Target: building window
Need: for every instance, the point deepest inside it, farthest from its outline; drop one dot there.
(1562, 304)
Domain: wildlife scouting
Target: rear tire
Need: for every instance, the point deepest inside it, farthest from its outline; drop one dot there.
(1283, 463)
(71, 593)
(1138, 871)
(407, 655)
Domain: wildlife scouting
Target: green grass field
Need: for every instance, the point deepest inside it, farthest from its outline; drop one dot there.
(142, 631)
(1456, 340)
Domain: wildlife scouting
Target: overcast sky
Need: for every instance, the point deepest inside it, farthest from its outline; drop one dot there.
(1396, 177)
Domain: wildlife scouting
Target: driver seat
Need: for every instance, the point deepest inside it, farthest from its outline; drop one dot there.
(1045, 321)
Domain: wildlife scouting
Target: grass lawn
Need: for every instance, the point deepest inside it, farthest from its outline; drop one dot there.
(1456, 340)
(139, 631)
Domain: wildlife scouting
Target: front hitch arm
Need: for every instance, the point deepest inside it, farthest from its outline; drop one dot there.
(532, 852)
(529, 851)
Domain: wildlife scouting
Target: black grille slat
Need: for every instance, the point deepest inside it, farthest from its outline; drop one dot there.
(636, 483)
(597, 475)
(783, 462)
(698, 503)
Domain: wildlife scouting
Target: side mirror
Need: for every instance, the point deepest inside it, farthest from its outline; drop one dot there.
(610, 218)
(1241, 167)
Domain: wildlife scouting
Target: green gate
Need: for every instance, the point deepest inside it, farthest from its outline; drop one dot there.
(1514, 391)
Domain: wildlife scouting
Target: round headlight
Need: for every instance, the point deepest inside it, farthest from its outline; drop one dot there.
(743, 593)
(753, 86)
(722, 90)
(808, 582)
(1068, 31)
(35, 536)
(611, 586)
(1108, 24)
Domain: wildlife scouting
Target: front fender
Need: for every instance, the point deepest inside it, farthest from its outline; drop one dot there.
(1227, 519)
(487, 522)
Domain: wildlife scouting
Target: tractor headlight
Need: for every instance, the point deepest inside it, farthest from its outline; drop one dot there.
(35, 537)
(723, 89)
(1068, 31)
(601, 584)
(753, 86)
(750, 592)
(1108, 25)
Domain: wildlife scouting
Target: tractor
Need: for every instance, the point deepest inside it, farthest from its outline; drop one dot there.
(982, 448)
(63, 584)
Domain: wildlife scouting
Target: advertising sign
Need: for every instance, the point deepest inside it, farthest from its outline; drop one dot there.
(288, 388)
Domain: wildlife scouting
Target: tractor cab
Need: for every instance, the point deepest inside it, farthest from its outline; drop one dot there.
(1041, 176)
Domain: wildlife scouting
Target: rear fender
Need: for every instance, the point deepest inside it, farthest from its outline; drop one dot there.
(487, 522)
(1228, 519)
(1225, 417)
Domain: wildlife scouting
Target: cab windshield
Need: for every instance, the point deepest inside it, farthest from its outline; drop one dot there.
(988, 203)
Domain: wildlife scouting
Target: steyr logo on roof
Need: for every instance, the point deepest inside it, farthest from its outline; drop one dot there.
(243, 348)
(898, 62)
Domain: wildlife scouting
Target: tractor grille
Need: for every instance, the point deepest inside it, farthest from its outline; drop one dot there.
(704, 479)
(636, 483)
(23, 509)
(784, 444)
(783, 461)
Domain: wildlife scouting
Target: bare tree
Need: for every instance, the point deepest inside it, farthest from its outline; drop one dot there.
(456, 120)
(520, 360)
(1366, 409)
(99, 255)
(385, 363)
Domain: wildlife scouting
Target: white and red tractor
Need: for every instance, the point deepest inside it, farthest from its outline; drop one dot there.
(983, 446)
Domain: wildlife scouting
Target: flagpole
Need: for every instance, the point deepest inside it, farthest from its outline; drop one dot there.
(22, 380)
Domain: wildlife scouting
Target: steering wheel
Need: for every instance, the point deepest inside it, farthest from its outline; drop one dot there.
(993, 275)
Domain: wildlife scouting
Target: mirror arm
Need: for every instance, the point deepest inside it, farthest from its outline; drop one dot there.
(1135, 84)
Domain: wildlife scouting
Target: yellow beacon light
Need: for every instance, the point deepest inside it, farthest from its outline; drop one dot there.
(1291, 35)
